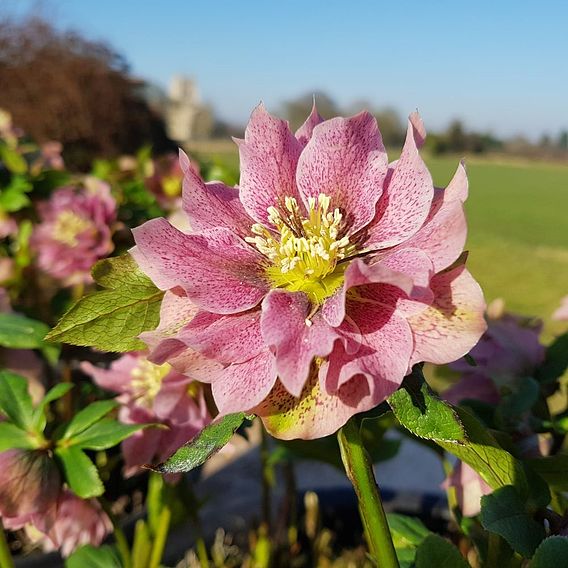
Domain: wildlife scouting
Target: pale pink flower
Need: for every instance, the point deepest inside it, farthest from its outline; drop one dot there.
(508, 351)
(562, 312)
(318, 282)
(75, 231)
(469, 487)
(8, 225)
(166, 180)
(151, 394)
(78, 522)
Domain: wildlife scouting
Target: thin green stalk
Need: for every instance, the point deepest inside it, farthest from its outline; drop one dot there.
(6, 560)
(359, 470)
(160, 537)
(119, 536)
(202, 552)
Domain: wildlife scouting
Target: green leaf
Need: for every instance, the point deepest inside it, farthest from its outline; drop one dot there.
(104, 434)
(13, 437)
(522, 399)
(12, 159)
(424, 414)
(89, 556)
(409, 529)
(55, 393)
(553, 469)
(552, 552)
(80, 472)
(209, 441)
(555, 362)
(20, 332)
(437, 552)
(503, 512)
(88, 416)
(15, 400)
(483, 453)
(113, 318)
(13, 198)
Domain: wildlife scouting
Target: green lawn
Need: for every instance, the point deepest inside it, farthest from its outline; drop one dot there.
(518, 230)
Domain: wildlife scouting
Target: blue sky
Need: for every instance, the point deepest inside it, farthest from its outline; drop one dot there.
(499, 65)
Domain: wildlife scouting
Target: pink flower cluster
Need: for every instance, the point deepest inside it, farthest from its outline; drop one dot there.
(152, 394)
(75, 231)
(306, 294)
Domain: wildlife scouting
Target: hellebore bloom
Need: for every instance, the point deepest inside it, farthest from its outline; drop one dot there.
(320, 280)
(75, 231)
(166, 180)
(151, 394)
(562, 312)
(508, 351)
(469, 487)
(78, 522)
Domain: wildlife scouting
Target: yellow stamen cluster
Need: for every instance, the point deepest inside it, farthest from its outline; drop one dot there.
(68, 226)
(147, 381)
(305, 251)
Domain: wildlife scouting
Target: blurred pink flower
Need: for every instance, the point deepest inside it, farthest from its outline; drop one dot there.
(469, 486)
(149, 394)
(78, 522)
(29, 486)
(562, 312)
(166, 180)
(50, 156)
(8, 225)
(75, 231)
(319, 281)
(509, 350)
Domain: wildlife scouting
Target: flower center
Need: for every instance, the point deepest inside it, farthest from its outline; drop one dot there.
(147, 381)
(68, 226)
(305, 252)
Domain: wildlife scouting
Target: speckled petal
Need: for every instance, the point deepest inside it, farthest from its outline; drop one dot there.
(346, 160)
(269, 155)
(458, 188)
(406, 199)
(244, 385)
(226, 338)
(304, 133)
(359, 273)
(218, 271)
(453, 324)
(295, 343)
(213, 204)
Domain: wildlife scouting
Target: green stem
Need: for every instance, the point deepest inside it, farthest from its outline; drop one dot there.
(6, 560)
(359, 470)
(160, 537)
(202, 552)
(119, 536)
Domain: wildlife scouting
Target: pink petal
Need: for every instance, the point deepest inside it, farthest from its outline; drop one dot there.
(473, 386)
(304, 133)
(214, 204)
(244, 385)
(407, 197)
(453, 324)
(458, 188)
(359, 273)
(269, 155)
(295, 342)
(315, 413)
(346, 160)
(227, 339)
(383, 356)
(218, 271)
(118, 376)
(562, 312)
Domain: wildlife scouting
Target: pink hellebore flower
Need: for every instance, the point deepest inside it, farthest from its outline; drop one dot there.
(166, 180)
(78, 522)
(562, 312)
(306, 294)
(469, 487)
(508, 351)
(75, 231)
(152, 393)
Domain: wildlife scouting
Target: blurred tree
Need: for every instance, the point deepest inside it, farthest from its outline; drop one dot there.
(391, 127)
(59, 85)
(563, 140)
(297, 110)
(456, 137)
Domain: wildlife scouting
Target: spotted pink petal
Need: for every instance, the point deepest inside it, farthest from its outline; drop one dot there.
(359, 273)
(228, 339)
(384, 353)
(407, 196)
(218, 271)
(458, 188)
(269, 155)
(244, 385)
(214, 204)
(304, 133)
(453, 324)
(294, 341)
(346, 160)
